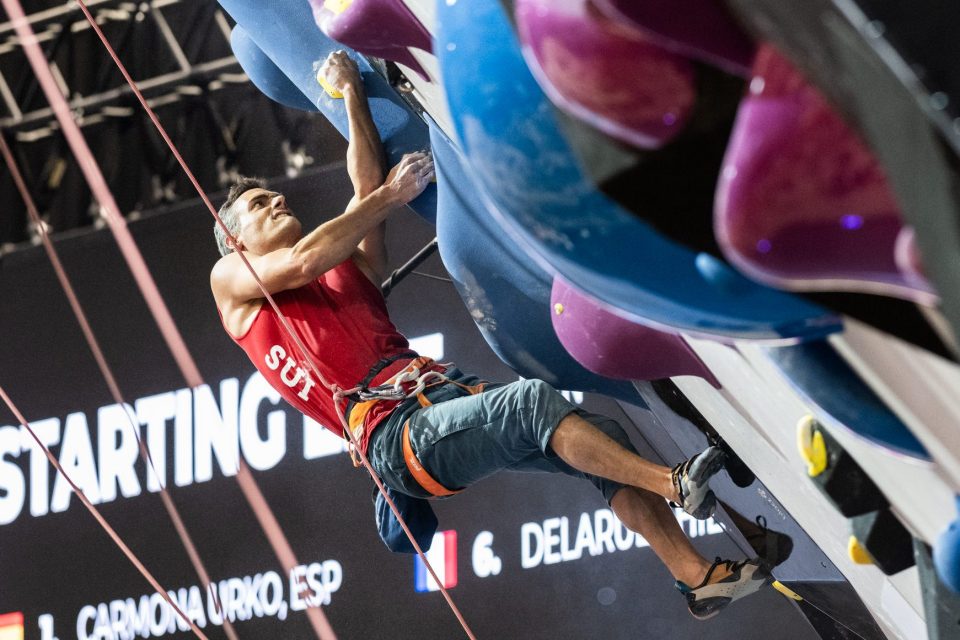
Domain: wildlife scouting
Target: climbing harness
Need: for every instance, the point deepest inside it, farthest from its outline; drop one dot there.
(420, 373)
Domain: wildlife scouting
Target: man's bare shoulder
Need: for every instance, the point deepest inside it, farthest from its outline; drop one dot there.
(225, 277)
(222, 273)
(226, 266)
(237, 311)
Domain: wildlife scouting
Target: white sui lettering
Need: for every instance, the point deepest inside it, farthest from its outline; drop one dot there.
(277, 355)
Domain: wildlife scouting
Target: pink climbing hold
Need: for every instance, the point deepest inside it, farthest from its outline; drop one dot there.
(615, 347)
(802, 203)
(381, 28)
(604, 73)
(700, 29)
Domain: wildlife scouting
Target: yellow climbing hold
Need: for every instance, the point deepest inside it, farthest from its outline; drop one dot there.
(337, 6)
(333, 93)
(857, 552)
(812, 447)
(558, 308)
(787, 591)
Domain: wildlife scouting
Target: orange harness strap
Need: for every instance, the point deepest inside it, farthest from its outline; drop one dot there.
(416, 469)
(472, 389)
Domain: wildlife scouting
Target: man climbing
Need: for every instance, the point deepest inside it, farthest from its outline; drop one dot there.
(456, 430)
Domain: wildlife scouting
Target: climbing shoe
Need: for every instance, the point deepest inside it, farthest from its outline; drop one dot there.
(691, 480)
(746, 577)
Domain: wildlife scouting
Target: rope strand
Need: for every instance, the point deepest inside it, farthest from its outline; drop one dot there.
(131, 253)
(334, 389)
(134, 560)
(111, 381)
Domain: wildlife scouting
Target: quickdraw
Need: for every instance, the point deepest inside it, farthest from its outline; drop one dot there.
(409, 382)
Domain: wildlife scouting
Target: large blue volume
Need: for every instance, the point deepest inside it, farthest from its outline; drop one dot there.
(532, 182)
(507, 294)
(286, 35)
(842, 399)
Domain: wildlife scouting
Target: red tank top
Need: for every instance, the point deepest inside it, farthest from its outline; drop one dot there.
(341, 317)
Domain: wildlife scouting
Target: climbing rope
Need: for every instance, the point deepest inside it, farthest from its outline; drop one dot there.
(166, 322)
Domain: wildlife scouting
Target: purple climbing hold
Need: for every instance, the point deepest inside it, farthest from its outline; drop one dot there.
(605, 73)
(615, 347)
(700, 29)
(381, 28)
(802, 203)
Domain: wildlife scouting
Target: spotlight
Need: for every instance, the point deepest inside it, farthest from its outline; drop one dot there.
(37, 229)
(296, 158)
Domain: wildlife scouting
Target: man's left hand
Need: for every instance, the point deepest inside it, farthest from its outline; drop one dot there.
(341, 72)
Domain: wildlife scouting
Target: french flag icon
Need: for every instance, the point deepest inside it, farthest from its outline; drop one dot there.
(11, 626)
(443, 558)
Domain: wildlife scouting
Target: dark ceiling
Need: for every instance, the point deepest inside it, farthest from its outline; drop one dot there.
(179, 52)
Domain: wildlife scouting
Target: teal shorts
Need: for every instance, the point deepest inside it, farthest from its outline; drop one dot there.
(461, 439)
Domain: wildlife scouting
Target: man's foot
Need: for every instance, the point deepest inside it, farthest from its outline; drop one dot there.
(718, 590)
(691, 482)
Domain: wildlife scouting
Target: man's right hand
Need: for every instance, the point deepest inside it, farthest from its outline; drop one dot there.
(410, 177)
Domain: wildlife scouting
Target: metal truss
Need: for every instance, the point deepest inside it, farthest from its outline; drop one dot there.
(179, 53)
(94, 103)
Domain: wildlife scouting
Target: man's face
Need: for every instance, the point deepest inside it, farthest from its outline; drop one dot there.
(266, 224)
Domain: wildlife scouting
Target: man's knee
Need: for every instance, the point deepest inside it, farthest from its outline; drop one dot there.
(544, 400)
(533, 385)
(541, 408)
(535, 391)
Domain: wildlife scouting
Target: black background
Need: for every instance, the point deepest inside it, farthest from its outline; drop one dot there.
(61, 561)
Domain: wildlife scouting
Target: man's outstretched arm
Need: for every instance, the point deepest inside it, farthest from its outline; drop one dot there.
(326, 246)
(365, 156)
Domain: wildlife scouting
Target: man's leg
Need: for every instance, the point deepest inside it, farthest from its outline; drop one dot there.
(645, 512)
(648, 514)
(586, 448)
(530, 416)
(708, 587)
(527, 426)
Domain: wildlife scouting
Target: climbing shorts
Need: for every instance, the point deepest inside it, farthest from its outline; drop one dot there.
(461, 438)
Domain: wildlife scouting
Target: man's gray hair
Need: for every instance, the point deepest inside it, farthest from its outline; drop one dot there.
(228, 214)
